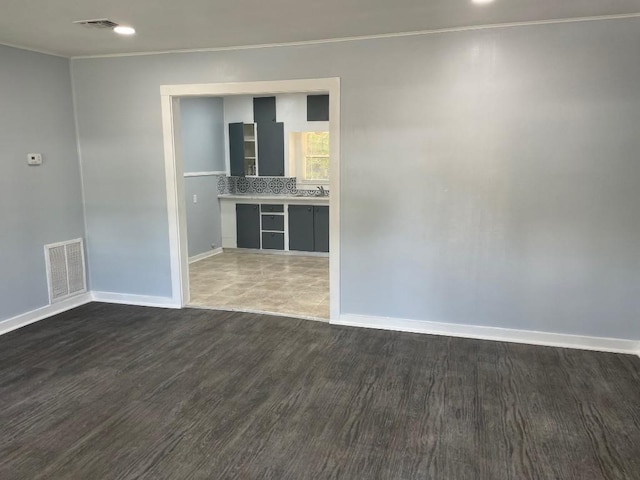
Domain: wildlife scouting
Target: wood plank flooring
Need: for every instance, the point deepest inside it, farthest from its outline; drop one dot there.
(111, 391)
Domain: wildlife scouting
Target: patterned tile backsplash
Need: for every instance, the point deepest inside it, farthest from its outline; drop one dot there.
(261, 186)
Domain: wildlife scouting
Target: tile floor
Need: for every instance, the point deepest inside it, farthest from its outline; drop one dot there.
(284, 284)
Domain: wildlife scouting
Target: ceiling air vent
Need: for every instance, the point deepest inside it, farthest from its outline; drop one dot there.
(98, 23)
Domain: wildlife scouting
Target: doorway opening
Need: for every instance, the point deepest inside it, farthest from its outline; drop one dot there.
(275, 191)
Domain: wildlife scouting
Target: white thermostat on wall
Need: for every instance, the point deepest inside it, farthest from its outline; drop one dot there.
(34, 159)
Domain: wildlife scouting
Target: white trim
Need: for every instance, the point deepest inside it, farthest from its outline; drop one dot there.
(176, 207)
(271, 87)
(141, 300)
(367, 37)
(42, 313)
(334, 200)
(202, 256)
(293, 253)
(530, 337)
(203, 174)
(35, 50)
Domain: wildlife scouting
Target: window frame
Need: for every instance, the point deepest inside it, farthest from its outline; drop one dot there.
(301, 161)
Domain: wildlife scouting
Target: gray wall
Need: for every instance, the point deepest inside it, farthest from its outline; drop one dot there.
(203, 217)
(38, 205)
(203, 150)
(202, 123)
(488, 177)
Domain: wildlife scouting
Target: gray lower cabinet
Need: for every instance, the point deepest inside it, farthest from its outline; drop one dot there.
(272, 208)
(272, 241)
(320, 229)
(301, 228)
(308, 228)
(248, 225)
(273, 223)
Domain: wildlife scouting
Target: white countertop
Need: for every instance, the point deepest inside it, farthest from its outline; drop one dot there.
(274, 198)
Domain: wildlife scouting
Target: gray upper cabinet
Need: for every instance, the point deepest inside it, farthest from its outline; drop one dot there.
(242, 149)
(236, 148)
(271, 149)
(264, 109)
(318, 108)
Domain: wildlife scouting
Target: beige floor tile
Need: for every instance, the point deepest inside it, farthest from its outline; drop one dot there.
(284, 284)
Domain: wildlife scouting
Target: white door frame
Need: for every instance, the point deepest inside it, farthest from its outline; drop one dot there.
(176, 205)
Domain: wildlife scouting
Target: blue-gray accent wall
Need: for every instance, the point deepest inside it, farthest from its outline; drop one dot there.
(489, 177)
(202, 128)
(202, 123)
(38, 205)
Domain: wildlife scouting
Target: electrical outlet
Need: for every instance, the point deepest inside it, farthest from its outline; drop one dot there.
(195, 198)
(34, 159)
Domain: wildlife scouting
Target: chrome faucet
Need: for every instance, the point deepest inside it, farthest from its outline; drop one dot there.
(321, 191)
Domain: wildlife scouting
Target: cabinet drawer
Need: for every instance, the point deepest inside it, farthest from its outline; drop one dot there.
(272, 241)
(273, 222)
(272, 208)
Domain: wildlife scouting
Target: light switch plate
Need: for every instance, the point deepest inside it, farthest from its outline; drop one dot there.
(34, 159)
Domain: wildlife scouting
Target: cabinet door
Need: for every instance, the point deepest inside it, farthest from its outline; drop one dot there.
(301, 228)
(236, 149)
(320, 229)
(318, 108)
(248, 225)
(272, 241)
(271, 149)
(264, 109)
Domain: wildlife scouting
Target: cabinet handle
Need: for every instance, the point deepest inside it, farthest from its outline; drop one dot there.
(309, 209)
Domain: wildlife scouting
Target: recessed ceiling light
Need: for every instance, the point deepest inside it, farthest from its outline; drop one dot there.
(122, 30)
(482, 2)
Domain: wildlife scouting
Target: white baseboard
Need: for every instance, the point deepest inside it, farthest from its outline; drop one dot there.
(601, 344)
(140, 300)
(292, 253)
(33, 316)
(202, 256)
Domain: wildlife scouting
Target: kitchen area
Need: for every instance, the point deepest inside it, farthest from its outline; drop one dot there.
(269, 218)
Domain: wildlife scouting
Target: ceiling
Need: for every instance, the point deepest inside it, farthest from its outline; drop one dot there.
(191, 24)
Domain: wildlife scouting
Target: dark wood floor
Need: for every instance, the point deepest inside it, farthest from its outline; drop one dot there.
(109, 391)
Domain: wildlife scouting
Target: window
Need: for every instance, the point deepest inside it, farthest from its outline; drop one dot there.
(314, 165)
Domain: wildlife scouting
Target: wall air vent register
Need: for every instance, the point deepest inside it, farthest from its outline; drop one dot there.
(65, 269)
